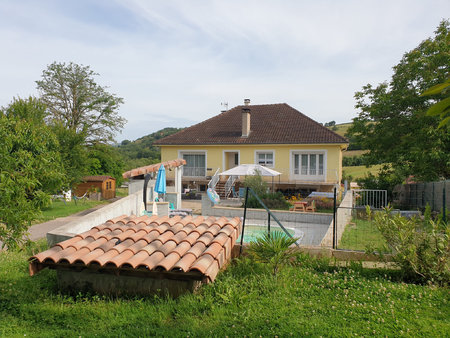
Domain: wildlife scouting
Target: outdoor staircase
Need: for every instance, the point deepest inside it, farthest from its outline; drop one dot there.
(220, 189)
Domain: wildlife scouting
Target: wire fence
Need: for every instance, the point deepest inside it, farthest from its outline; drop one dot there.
(418, 195)
(360, 232)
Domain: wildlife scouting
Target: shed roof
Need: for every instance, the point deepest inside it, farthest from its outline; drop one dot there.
(197, 246)
(269, 124)
(99, 178)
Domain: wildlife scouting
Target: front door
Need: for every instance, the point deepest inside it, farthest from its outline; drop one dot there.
(231, 159)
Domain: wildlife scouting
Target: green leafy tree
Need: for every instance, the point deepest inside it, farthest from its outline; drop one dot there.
(30, 167)
(76, 101)
(442, 107)
(392, 122)
(74, 154)
(105, 159)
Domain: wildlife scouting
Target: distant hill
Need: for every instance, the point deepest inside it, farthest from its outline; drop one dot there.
(340, 129)
(141, 151)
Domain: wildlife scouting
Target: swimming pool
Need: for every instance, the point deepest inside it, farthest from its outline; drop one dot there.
(253, 232)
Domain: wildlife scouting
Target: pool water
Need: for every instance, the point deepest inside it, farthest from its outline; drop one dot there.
(253, 232)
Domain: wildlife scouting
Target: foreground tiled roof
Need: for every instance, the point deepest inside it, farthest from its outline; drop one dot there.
(197, 246)
(270, 124)
(153, 168)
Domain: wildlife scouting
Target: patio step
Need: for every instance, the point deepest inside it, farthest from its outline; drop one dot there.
(220, 189)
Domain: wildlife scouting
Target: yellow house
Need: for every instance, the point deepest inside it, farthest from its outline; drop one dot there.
(308, 155)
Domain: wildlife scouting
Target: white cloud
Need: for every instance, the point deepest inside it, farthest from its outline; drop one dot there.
(174, 62)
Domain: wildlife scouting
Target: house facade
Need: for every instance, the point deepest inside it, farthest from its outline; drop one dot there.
(308, 155)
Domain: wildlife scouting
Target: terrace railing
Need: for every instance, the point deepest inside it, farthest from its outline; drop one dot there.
(213, 182)
(229, 184)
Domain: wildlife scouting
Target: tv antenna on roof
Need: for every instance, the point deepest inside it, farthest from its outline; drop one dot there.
(224, 104)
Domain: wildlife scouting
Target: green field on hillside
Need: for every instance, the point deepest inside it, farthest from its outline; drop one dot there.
(360, 171)
(341, 129)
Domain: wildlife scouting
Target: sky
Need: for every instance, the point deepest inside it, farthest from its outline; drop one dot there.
(175, 63)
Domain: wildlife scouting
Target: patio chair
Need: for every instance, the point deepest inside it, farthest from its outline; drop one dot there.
(311, 207)
(234, 193)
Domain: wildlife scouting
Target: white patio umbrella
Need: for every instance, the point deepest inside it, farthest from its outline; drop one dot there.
(250, 170)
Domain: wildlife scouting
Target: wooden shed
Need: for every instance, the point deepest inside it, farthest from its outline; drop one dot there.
(105, 184)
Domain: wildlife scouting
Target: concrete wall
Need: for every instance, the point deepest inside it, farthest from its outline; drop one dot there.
(111, 284)
(343, 217)
(208, 209)
(130, 205)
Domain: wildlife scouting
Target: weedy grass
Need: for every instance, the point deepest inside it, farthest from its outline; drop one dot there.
(311, 298)
(60, 209)
(361, 235)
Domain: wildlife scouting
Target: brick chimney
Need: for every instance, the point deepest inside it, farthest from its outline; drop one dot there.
(246, 118)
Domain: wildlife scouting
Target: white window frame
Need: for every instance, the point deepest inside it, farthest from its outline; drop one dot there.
(308, 176)
(194, 152)
(265, 151)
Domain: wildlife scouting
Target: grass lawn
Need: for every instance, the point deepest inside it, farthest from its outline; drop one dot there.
(361, 234)
(59, 209)
(361, 170)
(121, 192)
(312, 299)
(350, 153)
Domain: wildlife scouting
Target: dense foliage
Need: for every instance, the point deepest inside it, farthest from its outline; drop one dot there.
(30, 168)
(272, 200)
(106, 160)
(420, 247)
(442, 107)
(350, 161)
(392, 122)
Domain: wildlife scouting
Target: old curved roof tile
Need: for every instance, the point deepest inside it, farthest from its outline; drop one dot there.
(184, 245)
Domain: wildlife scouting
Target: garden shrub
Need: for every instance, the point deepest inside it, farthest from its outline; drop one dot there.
(322, 203)
(273, 249)
(421, 247)
(260, 188)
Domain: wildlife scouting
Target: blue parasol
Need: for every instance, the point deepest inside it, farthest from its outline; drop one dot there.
(160, 185)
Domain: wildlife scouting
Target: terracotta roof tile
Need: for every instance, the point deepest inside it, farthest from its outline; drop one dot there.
(221, 238)
(151, 261)
(202, 263)
(171, 245)
(154, 168)
(206, 238)
(185, 263)
(197, 249)
(191, 238)
(214, 249)
(269, 124)
(152, 247)
(213, 270)
(169, 261)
